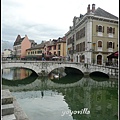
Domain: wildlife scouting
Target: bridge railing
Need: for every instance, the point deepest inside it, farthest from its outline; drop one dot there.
(59, 62)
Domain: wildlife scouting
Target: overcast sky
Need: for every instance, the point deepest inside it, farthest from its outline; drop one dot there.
(45, 19)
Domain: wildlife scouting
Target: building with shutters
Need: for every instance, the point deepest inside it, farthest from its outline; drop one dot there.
(93, 36)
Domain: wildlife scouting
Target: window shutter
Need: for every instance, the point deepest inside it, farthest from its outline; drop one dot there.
(113, 45)
(113, 30)
(96, 28)
(107, 29)
(107, 44)
(103, 29)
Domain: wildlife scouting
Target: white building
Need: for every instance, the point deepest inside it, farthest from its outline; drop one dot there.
(7, 53)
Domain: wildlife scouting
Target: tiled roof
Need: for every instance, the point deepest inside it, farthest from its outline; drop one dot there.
(32, 41)
(102, 13)
(18, 41)
(37, 46)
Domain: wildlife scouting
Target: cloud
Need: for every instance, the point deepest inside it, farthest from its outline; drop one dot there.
(43, 19)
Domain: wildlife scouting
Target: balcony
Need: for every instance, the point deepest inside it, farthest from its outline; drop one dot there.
(110, 35)
(99, 49)
(100, 34)
(110, 49)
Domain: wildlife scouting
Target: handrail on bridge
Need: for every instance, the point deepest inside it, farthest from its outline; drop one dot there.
(59, 62)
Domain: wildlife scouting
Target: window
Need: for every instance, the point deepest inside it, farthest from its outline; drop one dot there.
(54, 47)
(110, 45)
(58, 53)
(111, 30)
(99, 59)
(77, 48)
(59, 47)
(82, 46)
(40, 51)
(80, 34)
(99, 28)
(99, 43)
(54, 53)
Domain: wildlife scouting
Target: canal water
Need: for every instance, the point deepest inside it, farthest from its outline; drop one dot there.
(71, 97)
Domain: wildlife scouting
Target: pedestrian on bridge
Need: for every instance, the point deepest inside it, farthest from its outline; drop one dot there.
(43, 56)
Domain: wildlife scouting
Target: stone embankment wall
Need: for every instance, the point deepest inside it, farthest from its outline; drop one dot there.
(11, 109)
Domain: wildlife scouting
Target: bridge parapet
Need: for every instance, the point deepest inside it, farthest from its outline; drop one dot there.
(45, 67)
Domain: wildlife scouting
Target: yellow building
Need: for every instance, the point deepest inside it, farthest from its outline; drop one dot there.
(56, 47)
(35, 52)
(93, 36)
(61, 47)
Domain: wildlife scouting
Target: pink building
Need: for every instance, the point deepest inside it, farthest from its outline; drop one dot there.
(20, 46)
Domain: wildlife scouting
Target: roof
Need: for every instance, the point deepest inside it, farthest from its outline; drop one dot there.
(18, 41)
(102, 13)
(37, 46)
(99, 12)
(32, 41)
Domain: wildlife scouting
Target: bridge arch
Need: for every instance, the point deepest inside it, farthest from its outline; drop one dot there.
(22, 65)
(99, 74)
(75, 66)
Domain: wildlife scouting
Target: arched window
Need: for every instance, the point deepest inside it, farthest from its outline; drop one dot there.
(99, 28)
(110, 30)
(99, 43)
(99, 59)
(110, 44)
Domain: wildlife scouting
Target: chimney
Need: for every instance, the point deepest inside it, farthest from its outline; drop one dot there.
(93, 7)
(88, 8)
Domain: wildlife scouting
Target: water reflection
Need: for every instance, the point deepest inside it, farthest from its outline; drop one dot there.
(47, 99)
(16, 73)
(67, 79)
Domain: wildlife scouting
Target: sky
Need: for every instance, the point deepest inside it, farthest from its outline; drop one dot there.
(45, 19)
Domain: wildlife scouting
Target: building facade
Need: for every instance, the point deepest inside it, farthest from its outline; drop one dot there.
(20, 46)
(7, 54)
(93, 36)
(51, 48)
(35, 52)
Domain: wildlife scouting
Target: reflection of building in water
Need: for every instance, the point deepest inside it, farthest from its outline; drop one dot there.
(7, 73)
(21, 73)
(102, 102)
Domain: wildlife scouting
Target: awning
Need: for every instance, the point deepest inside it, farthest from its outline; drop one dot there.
(113, 55)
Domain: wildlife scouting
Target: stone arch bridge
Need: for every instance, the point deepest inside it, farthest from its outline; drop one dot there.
(43, 68)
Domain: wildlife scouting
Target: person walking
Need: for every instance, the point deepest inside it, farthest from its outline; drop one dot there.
(43, 57)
